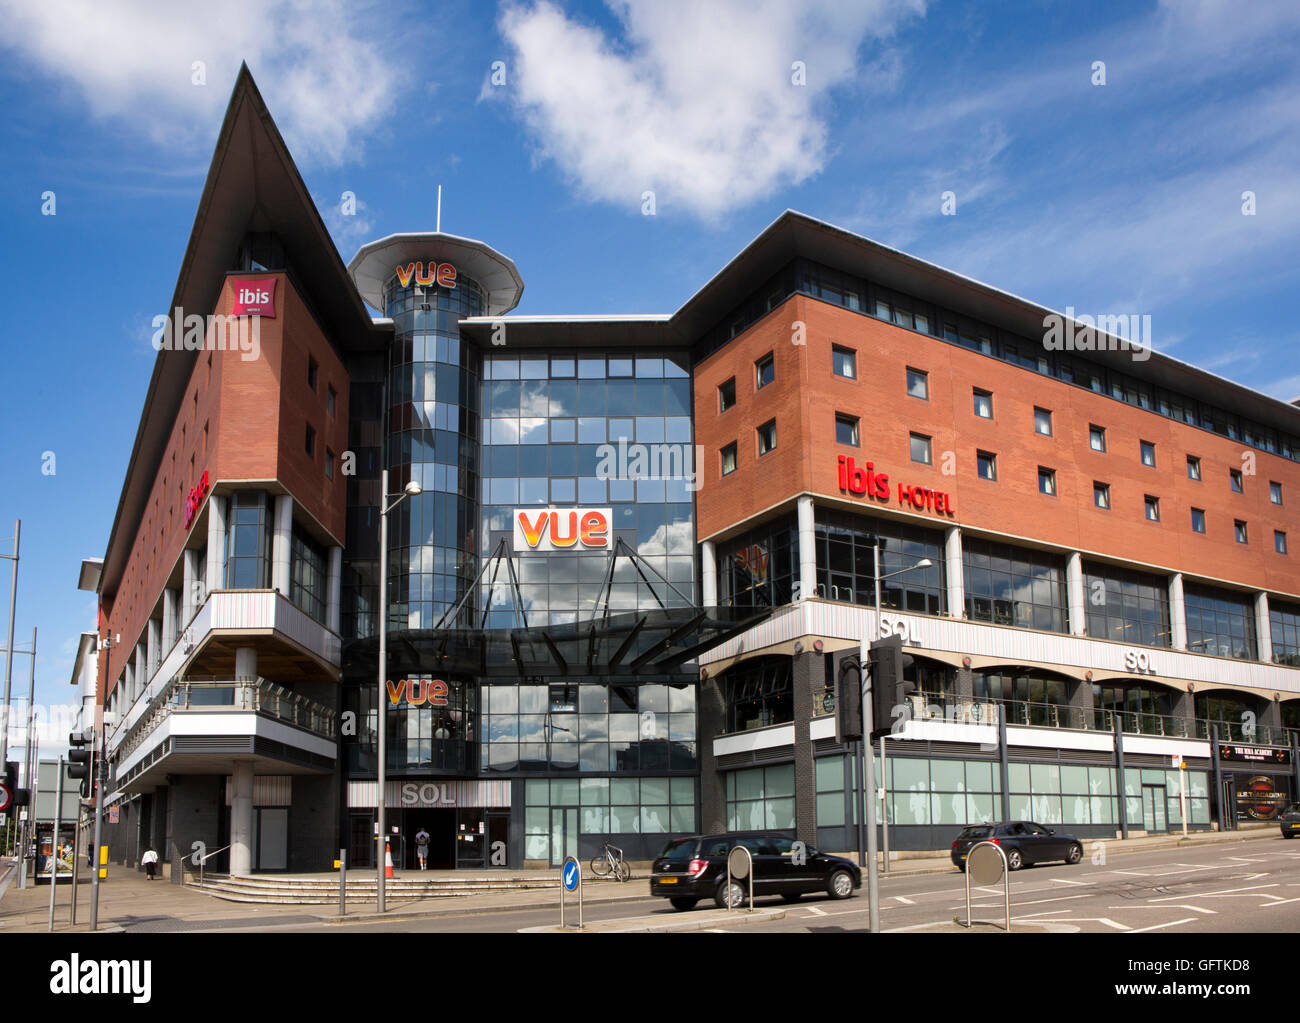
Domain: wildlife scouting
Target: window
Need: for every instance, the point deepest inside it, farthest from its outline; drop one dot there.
(311, 441)
(844, 361)
(918, 384)
(983, 404)
(248, 542)
(329, 464)
(758, 693)
(845, 559)
(1101, 494)
(1097, 438)
(1279, 541)
(1016, 586)
(1234, 480)
(767, 437)
(1126, 605)
(330, 396)
(307, 574)
(760, 799)
(1043, 421)
(1239, 530)
(764, 371)
(1148, 453)
(1193, 467)
(1198, 520)
(1285, 622)
(846, 429)
(759, 569)
(1153, 508)
(920, 448)
(726, 395)
(1275, 492)
(987, 465)
(1220, 622)
(1046, 481)
(312, 369)
(729, 459)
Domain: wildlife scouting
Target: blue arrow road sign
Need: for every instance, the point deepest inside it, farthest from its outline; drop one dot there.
(570, 876)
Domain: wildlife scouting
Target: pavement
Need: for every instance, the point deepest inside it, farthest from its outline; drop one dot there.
(131, 903)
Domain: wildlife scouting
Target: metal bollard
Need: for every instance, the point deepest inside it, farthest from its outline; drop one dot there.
(343, 882)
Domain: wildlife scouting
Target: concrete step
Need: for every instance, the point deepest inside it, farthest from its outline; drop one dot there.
(320, 891)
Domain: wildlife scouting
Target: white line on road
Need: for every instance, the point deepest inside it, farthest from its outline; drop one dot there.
(1160, 927)
(1176, 905)
(1061, 880)
(1227, 893)
(905, 902)
(818, 912)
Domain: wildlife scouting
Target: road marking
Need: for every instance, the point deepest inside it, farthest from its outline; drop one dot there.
(905, 902)
(1227, 893)
(1061, 880)
(1079, 920)
(1160, 927)
(1279, 902)
(818, 912)
(1175, 905)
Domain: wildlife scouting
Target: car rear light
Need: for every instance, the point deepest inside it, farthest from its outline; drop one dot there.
(956, 845)
(994, 841)
(698, 867)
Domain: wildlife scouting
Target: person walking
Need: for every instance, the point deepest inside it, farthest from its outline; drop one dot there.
(150, 862)
(422, 847)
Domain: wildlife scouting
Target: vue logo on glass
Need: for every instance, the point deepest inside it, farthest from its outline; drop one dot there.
(552, 529)
(443, 274)
(255, 297)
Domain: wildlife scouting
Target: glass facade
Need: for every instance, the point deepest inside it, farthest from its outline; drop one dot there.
(1220, 622)
(846, 569)
(1284, 625)
(761, 799)
(759, 569)
(307, 574)
(1132, 607)
(248, 542)
(1016, 586)
(1028, 698)
(758, 692)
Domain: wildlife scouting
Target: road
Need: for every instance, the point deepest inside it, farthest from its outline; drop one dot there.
(1226, 887)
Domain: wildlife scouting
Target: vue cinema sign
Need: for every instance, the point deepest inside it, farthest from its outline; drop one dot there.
(562, 529)
(864, 481)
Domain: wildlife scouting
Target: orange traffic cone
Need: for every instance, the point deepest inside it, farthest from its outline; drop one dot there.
(388, 861)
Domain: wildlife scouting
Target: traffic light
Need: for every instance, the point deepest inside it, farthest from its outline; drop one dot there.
(889, 690)
(848, 699)
(80, 759)
(12, 797)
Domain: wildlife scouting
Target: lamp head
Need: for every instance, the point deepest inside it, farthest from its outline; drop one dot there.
(923, 563)
(413, 489)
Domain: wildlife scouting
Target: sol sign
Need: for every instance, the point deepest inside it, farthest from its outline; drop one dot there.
(1139, 662)
(255, 297)
(552, 529)
(442, 274)
(194, 499)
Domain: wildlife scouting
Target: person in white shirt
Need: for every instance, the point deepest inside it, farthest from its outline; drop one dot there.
(150, 862)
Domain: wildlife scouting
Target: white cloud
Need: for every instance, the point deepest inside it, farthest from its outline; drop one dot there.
(132, 62)
(695, 101)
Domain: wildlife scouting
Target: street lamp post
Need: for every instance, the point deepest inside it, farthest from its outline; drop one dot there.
(411, 489)
(884, 816)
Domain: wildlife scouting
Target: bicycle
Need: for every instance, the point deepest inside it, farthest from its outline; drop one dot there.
(607, 862)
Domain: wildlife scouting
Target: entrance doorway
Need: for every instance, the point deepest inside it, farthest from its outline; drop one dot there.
(271, 838)
(1154, 808)
(441, 826)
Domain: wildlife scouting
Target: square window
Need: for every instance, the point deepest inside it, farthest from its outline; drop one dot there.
(729, 459)
(1101, 494)
(1239, 529)
(764, 371)
(983, 404)
(1046, 481)
(846, 429)
(1043, 422)
(987, 464)
(918, 384)
(1148, 453)
(1193, 467)
(311, 441)
(1234, 480)
(767, 437)
(844, 362)
(1097, 438)
(1198, 520)
(1275, 492)
(1279, 541)
(312, 369)
(920, 448)
(330, 396)
(727, 395)
(1153, 508)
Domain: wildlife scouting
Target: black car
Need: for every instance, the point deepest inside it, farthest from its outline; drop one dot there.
(1289, 819)
(1024, 842)
(690, 869)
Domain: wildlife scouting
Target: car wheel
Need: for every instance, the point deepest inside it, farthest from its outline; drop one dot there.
(1014, 860)
(840, 885)
(961, 867)
(1076, 854)
(683, 903)
(792, 897)
(1287, 834)
(738, 895)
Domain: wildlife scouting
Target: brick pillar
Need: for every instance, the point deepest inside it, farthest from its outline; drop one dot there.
(1183, 707)
(1081, 705)
(808, 670)
(712, 715)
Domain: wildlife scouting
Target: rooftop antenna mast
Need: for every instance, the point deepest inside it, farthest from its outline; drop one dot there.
(439, 227)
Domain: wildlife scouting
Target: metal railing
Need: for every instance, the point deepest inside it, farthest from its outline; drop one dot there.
(209, 694)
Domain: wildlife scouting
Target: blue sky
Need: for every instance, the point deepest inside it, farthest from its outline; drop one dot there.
(1122, 197)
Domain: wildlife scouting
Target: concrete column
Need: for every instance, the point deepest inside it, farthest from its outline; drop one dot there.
(333, 588)
(245, 662)
(141, 669)
(712, 723)
(807, 672)
(216, 543)
(189, 581)
(128, 682)
(170, 601)
(1177, 612)
(1263, 630)
(154, 635)
(1074, 594)
(954, 572)
(1081, 705)
(807, 550)
(280, 544)
(241, 819)
(1183, 707)
(708, 574)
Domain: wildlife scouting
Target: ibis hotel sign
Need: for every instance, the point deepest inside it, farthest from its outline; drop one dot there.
(562, 529)
(864, 481)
